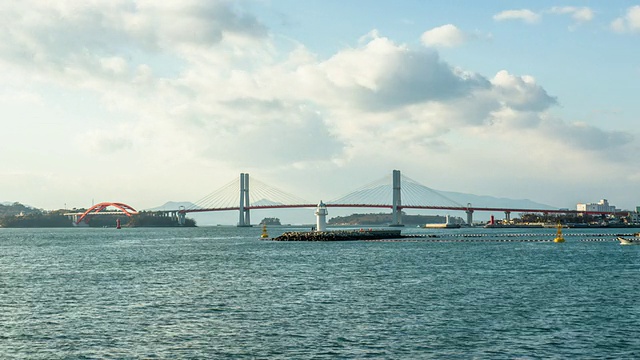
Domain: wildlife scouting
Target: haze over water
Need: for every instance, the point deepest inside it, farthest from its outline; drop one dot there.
(219, 292)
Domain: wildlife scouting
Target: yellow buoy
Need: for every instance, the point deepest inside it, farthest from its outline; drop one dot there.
(559, 238)
(264, 231)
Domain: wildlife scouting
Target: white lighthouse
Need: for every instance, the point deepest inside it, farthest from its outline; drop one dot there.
(321, 217)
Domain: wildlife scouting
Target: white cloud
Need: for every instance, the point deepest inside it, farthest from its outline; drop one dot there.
(381, 75)
(525, 15)
(629, 23)
(105, 142)
(583, 14)
(579, 14)
(521, 93)
(69, 34)
(618, 25)
(447, 36)
(115, 65)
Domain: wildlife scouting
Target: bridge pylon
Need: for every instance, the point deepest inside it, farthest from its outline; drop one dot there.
(396, 205)
(244, 219)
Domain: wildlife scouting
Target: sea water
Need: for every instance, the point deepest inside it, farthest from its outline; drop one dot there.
(220, 292)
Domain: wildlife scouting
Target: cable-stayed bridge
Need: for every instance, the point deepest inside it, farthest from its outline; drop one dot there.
(395, 192)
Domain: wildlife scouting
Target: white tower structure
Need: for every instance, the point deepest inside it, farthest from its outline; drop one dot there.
(321, 217)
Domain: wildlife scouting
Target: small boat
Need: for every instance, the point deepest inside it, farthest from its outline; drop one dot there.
(629, 241)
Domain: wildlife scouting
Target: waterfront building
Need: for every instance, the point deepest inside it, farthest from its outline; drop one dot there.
(634, 217)
(601, 206)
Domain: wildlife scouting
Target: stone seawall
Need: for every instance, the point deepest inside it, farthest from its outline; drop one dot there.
(339, 235)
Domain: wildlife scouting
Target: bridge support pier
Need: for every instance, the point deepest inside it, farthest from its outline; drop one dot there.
(507, 216)
(244, 219)
(396, 205)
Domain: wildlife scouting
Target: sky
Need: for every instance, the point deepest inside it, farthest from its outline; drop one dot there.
(145, 102)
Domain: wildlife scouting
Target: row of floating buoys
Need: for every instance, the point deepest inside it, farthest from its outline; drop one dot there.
(498, 240)
(447, 240)
(598, 240)
(528, 235)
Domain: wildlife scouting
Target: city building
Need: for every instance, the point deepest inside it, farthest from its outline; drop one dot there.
(600, 206)
(633, 217)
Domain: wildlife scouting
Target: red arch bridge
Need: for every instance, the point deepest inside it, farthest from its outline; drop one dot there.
(103, 208)
(397, 193)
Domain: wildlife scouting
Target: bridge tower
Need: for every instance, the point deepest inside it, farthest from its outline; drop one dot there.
(396, 204)
(244, 219)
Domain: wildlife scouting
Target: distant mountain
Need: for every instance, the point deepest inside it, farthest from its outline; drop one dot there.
(494, 202)
(265, 202)
(10, 203)
(174, 205)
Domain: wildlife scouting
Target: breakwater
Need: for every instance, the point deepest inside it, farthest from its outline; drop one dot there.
(395, 235)
(339, 235)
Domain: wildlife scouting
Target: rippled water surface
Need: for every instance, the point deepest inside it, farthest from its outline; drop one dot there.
(219, 292)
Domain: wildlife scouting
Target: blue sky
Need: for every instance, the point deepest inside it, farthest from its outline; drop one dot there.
(145, 102)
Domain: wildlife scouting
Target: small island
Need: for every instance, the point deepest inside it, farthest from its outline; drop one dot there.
(270, 221)
(382, 219)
